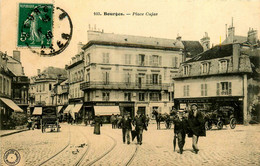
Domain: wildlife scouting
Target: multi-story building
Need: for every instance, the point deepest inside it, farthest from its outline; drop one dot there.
(7, 106)
(124, 73)
(75, 77)
(20, 82)
(225, 75)
(42, 86)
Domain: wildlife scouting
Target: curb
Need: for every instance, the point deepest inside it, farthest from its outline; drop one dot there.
(3, 135)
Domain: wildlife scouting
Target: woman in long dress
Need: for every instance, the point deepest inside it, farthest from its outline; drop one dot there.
(98, 123)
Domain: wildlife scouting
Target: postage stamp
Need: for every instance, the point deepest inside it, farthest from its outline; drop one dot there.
(35, 25)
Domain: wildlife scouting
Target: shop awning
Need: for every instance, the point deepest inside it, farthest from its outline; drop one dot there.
(12, 105)
(67, 110)
(77, 108)
(37, 111)
(59, 108)
(106, 110)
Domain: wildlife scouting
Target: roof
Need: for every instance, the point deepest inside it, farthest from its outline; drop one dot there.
(130, 39)
(215, 52)
(193, 47)
(54, 72)
(237, 39)
(131, 45)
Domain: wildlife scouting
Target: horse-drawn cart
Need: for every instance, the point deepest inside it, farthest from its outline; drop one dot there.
(50, 119)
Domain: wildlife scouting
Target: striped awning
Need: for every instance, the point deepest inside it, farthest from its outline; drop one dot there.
(12, 105)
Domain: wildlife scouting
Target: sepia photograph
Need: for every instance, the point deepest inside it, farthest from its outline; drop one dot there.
(133, 82)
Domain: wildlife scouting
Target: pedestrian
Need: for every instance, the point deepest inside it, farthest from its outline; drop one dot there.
(147, 119)
(126, 125)
(119, 117)
(113, 121)
(196, 126)
(98, 123)
(139, 123)
(180, 128)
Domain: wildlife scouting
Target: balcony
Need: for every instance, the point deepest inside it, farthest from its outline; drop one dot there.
(19, 101)
(123, 85)
(21, 80)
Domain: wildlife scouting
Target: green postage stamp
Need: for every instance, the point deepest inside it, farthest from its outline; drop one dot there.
(35, 25)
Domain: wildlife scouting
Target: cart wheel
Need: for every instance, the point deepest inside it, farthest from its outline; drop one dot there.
(233, 123)
(220, 124)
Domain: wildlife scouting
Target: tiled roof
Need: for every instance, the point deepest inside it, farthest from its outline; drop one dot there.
(53, 72)
(193, 47)
(215, 52)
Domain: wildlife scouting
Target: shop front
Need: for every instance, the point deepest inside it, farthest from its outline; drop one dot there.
(213, 103)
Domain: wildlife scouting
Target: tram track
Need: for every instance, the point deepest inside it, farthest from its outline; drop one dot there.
(104, 154)
(133, 156)
(67, 145)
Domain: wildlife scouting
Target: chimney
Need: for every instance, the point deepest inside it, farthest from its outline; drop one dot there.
(252, 36)
(80, 45)
(205, 42)
(16, 55)
(231, 33)
(236, 56)
(38, 71)
(23, 71)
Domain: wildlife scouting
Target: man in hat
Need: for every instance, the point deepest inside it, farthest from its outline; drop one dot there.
(180, 127)
(126, 124)
(196, 126)
(139, 122)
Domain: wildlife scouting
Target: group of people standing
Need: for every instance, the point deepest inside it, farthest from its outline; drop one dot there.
(192, 125)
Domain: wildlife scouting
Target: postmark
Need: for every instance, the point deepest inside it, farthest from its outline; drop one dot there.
(36, 26)
(12, 157)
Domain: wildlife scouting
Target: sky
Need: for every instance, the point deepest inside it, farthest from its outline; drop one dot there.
(188, 18)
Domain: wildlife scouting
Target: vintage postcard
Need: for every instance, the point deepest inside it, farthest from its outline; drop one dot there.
(140, 82)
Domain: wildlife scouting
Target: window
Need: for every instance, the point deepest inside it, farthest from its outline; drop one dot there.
(105, 96)
(174, 61)
(155, 78)
(155, 60)
(205, 67)
(105, 78)
(155, 96)
(224, 88)
(127, 59)
(204, 89)
(43, 87)
(186, 90)
(127, 96)
(50, 86)
(105, 57)
(186, 70)
(88, 77)
(88, 59)
(141, 96)
(7, 87)
(223, 66)
(141, 59)
(127, 78)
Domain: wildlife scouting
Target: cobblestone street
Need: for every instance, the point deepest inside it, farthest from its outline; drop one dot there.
(77, 145)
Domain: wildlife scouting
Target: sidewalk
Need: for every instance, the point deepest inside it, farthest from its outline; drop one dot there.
(4, 133)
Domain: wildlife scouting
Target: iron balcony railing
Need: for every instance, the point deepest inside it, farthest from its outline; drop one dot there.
(123, 85)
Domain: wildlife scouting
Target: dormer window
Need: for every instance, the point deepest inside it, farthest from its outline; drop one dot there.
(205, 67)
(223, 65)
(186, 70)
